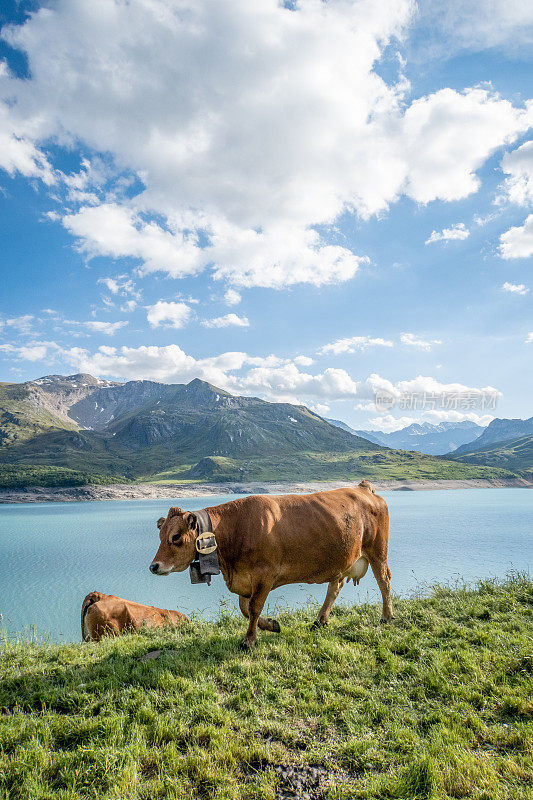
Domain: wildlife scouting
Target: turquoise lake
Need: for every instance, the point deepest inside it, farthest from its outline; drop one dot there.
(53, 554)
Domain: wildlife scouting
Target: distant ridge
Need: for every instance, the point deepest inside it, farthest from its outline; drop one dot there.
(424, 437)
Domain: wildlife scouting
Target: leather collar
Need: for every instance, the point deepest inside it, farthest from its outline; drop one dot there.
(206, 562)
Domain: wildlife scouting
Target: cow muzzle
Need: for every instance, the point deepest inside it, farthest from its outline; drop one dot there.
(157, 569)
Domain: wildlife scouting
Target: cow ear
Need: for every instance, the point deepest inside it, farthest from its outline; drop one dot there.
(160, 521)
(192, 522)
(175, 511)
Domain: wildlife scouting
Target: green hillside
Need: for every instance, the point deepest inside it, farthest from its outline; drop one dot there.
(21, 421)
(437, 705)
(515, 455)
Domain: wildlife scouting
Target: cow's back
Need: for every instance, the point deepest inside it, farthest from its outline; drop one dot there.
(306, 538)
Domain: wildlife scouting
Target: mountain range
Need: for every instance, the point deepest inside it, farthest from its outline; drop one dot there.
(149, 430)
(499, 430)
(424, 437)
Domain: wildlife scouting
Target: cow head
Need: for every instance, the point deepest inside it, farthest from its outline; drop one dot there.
(177, 550)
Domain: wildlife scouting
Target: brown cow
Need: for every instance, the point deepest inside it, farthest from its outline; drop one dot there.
(107, 615)
(268, 541)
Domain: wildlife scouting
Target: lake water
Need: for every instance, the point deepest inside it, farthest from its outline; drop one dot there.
(53, 554)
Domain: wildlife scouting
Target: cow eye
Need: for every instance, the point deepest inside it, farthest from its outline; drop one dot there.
(176, 538)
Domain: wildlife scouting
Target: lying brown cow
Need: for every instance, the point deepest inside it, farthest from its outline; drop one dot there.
(107, 615)
(269, 541)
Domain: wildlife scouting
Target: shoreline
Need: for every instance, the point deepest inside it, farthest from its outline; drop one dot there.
(152, 491)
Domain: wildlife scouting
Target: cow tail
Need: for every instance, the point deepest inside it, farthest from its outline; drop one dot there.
(91, 598)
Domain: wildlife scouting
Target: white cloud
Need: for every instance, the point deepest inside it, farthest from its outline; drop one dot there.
(303, 361)
(412, 340)
(19, 154)
(518, 165)
(529, 338)
(32, 351)
(518, 242)
(426, 393)
(168, 363)
(121, 285)
(452, 26)
(168, 314)
(25, 352)
(232, 297)
(353, 344)
(116, 231)
(107, 328)
(211, 76)
(388, 423)
(319, 408)
(287, 383)
(515, 288)
(458, 231)
(22, 324)
(448, 135)
(228, 320)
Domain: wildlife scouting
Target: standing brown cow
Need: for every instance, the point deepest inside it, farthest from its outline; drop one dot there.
(269, 541)
(107, 615)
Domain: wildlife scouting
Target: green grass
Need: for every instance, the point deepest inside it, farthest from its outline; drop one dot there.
(307, 466)
(15, 477)
(436, 705)
(515, 454)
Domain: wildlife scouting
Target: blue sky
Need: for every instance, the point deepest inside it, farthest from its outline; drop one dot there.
(313, 203)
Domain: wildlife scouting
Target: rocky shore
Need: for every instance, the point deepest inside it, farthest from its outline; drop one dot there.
(154, 491)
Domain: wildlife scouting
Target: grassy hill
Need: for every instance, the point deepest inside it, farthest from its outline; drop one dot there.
(16, 477)
(514, 454)
(436, 705)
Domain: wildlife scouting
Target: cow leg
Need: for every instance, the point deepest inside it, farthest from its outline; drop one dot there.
(332, 594)
(255, 606)
(382, 575)
(264, 623)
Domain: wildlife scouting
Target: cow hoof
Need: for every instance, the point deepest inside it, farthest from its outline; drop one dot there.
(246, 644)
(385, 620)
(318, 625)
(275, 625)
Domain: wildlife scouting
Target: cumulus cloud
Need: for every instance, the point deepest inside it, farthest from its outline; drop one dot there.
(425, 393)
(32, 351)
(352, 344)
(412, 340)
(387, 423)
(227, 321)
(515, 288)
(107, 328)
(288, 383)
(22, 324)
(529, 338)
(168, 363)
(518, 165)
(518, 242)
(168, 314)
(116, 231)
(232, 297)
(19, 154)
(458, 231)
(211, 76)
